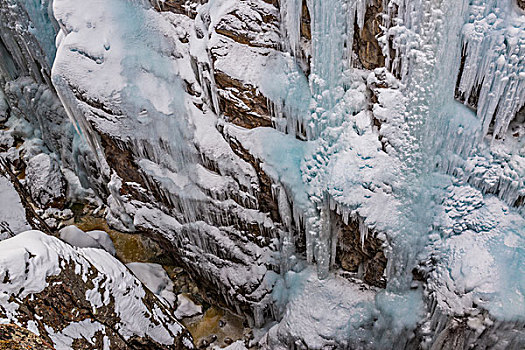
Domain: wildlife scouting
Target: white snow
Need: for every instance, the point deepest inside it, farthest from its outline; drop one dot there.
(91, 239)
(29, 258)
(12, 213)
(186, 307)
(44, 179)
(319, 312)
(156, 279)
(238, 345)
(78, 238)
(103, 240)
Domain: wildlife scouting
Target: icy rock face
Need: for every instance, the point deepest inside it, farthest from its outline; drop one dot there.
(44, 179)
(80, 298)
(156, 280)
(34, 121)
(173, 175)
(248, 136)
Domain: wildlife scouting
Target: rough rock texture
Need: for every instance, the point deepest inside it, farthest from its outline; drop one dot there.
(242, 104)
(365, 256)
(173, 174)
(184, 7)
(365, 40)
(45, 181)
(15, 337)
(81, 298)
(472, 329)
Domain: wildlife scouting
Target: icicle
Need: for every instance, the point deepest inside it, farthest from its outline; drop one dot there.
(77, 117)
(291, 11)
(363, 231)
(494, 52)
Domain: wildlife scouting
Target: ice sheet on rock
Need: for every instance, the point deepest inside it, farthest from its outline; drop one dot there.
(156, 279)
(262, 68)
(133, 51)
(42, 25)
(170, 125)
(494, 51)
(12, 213)
(281, 157)
(320, 313)
(483, 258)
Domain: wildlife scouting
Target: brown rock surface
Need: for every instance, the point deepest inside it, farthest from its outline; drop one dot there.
(365, 40)
(69, 308)
(13, 337)
(365, 257)
(241, 103)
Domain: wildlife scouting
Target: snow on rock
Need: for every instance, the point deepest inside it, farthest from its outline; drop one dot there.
(156, 279)
(238, 345)
(312, 319)
(91, 239)
(80, 297)
(186, 307)
(45, 180)
(148, 81)
(481, 257)
(78, 238)
(12, 213)
(103, 240)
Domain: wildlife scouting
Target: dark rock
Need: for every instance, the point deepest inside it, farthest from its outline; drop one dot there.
(365, 40)
(354, 255)
(242, 104)
(16, 337)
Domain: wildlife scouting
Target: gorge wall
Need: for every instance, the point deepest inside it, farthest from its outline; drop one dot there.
(375, 145)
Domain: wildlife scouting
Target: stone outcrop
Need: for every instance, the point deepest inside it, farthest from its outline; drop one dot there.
(15, 337)
(366, 44)
(359, 254)
(242, 104)
(81, 298)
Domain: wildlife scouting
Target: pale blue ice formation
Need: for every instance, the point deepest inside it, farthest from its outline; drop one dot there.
(437, 181)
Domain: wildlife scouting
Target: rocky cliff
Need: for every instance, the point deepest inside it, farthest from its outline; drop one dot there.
(250, 139)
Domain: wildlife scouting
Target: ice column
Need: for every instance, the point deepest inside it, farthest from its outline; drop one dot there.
(494, 52)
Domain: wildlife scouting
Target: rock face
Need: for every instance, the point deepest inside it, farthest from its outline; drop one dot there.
(45, 180)
(202, 126)
(365, 256)
(15, 337)
(365, 40)
(81, 298)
